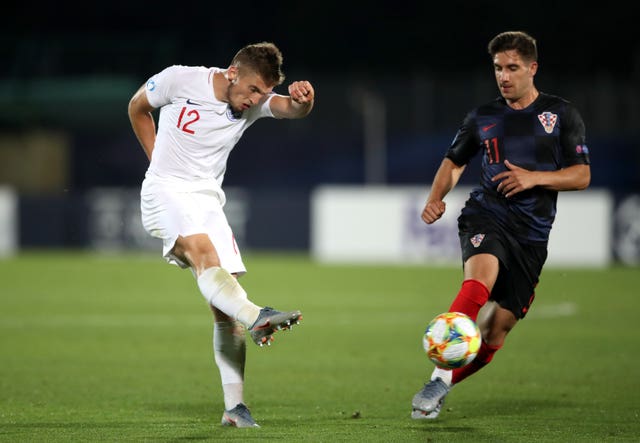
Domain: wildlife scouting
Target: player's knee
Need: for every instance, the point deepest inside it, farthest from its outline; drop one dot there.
(206, 261)
(198, 251)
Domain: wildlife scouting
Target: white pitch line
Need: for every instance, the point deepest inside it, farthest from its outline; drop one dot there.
(118, 320)
(566, 309)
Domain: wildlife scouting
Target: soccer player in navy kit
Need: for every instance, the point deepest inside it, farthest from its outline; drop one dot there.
(533, 146)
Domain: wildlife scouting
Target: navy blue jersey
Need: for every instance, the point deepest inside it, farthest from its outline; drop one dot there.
(546, 136)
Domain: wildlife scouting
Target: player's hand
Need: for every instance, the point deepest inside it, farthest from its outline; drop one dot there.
(301, 92)
(433, 210)
(514, 180)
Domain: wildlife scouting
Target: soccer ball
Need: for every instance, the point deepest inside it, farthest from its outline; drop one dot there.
(451, 340)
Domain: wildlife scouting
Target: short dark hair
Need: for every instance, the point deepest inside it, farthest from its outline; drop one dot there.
(520, 41)
(263, 58)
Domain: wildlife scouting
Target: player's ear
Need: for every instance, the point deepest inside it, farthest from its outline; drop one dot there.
(232, 73)
(533, 68)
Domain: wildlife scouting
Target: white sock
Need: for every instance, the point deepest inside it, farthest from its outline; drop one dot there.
(229, 351)
(224, 292)
(444, 374)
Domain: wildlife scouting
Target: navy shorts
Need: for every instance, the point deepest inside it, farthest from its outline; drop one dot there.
(520, 263)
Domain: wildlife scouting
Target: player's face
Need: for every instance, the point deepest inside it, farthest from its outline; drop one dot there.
(513, 75)
(246, 90)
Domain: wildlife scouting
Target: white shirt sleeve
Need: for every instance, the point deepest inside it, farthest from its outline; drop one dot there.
(159, 87)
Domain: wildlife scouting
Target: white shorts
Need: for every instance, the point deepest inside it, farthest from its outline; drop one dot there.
(171, 209)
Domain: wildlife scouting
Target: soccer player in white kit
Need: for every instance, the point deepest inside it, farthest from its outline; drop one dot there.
(203, 113)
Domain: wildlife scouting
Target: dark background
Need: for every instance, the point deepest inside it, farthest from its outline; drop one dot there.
(74, 67)
(55, 38)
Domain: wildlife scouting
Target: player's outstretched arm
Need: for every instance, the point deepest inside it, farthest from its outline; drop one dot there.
(297, 104)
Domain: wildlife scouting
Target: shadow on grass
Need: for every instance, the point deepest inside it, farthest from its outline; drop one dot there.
(460, 420)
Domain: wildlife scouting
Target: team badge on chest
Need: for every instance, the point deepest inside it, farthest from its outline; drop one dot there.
(548, 121)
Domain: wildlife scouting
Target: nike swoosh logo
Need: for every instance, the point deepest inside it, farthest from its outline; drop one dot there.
(484, 128)
(190, 102)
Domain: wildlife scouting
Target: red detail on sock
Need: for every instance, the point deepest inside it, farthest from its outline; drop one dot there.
(484, 357)
(472, 296)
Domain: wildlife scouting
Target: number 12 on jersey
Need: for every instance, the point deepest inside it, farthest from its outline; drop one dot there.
(192, 117)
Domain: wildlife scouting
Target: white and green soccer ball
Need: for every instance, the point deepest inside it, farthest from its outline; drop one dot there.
(451, 340)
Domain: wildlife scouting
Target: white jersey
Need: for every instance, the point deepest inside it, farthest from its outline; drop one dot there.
(196, 131)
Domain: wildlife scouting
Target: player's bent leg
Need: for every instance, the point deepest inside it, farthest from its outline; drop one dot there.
(223, 291)
(197, 250)
(216, 284)
(495, 330)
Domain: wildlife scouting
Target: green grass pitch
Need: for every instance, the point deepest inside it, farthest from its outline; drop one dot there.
(118, 348)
